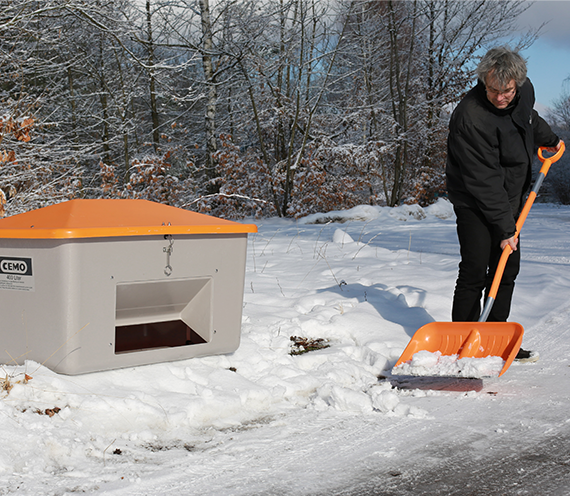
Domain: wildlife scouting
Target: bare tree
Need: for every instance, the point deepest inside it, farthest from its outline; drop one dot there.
(207, 48)
(152, 76)
(287, 59)
(416, 58)
(36, 165)
(558, 181)
(302, 103)
(560, 112)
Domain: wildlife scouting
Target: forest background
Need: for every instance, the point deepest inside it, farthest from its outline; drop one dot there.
(241, 108)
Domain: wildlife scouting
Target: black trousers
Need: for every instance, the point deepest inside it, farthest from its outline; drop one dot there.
(480, 253)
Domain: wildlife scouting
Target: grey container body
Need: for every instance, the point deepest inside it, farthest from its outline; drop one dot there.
(94, 304)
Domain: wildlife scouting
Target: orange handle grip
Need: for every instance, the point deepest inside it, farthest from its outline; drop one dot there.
(546, 163)
(554, 157)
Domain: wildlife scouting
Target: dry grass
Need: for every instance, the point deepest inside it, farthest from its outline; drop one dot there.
(8, 383)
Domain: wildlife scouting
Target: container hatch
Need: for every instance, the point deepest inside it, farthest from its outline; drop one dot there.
(99, 218)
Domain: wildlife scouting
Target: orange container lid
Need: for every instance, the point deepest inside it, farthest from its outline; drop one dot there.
(109, 218)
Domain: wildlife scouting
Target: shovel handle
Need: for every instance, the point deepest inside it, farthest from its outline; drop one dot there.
(546, 163)
(554, 157)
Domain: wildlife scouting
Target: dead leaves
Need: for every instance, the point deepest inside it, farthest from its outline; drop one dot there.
(304, 345)
(50, 412)
(8, 383)
(19, 128)
(6, 157)
(2, 204)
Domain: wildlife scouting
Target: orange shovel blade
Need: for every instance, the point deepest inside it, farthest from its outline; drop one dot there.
(467, 339)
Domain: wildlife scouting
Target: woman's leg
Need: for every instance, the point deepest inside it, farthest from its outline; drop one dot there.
(502, 306)
(475, 241)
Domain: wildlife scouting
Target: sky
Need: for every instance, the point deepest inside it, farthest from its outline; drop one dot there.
(549, 57)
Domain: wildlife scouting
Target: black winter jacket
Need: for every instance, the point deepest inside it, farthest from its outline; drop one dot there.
(489, 154)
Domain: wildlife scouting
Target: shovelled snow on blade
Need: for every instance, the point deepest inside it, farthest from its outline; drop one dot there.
(463, 349)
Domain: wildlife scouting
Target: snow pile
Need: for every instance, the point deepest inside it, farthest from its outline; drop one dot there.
(425, 363)
(362, 213)
(442, 209)
(406, 212)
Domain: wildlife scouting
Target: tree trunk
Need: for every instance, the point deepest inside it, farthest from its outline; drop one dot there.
(210, 118)
(152, 81)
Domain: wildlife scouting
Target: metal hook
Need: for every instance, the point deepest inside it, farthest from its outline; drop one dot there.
(168, 250)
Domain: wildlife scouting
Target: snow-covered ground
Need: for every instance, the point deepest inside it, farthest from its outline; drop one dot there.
(261, 421)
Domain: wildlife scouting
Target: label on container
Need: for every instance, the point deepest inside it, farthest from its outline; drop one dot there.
(16, 274)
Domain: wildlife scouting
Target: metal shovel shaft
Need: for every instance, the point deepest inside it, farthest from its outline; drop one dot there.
(546, 163)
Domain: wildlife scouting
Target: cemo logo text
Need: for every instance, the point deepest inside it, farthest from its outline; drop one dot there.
(14, 266)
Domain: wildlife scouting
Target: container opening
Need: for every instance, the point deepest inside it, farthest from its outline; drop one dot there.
(163, 314)
(155, 335)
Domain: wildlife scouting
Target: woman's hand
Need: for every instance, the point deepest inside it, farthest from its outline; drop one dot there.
(553, 149)
(512, 242)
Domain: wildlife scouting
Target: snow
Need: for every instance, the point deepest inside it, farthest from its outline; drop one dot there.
(425, 363)
(263, 421)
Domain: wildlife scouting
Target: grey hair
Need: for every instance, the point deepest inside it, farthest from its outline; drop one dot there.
(505, 64)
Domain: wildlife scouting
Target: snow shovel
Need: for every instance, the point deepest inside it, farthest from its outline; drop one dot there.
(481, 339)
